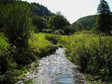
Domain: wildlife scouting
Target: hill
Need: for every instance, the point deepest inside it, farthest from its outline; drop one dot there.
(40, 10)
(85, 23)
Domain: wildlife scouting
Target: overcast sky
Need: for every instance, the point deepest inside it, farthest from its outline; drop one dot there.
(72, 9)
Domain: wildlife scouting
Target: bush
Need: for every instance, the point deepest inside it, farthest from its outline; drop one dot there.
(7, 65)
(39, 22)
(16, 23)
(53, 38)
(23, 57)
(6, 60)
(93, 55)
(3, 42)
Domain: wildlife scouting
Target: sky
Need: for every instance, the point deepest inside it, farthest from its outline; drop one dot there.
(72, 9)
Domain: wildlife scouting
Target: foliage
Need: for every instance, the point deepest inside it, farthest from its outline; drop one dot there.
(3, 43)
(24, 46)
(39, 22)
(68, 30)
(85, 23)
(53, 38)
(40, 46)
(7, 65)
(23, 57)
(103, 7)
(92, 53)
(59, 22)
(104, 17)
(40, 10)
(6, 1)
(4, 61)
(79, 27)
(17, 24)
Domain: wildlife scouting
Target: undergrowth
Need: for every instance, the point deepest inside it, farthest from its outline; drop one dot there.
(93, 53)
(15, 63)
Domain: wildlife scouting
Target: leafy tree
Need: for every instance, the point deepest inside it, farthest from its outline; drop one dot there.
(58, 22)
(68, 30)
(104, 17)
(17, 24)
(39, 22)
(79, 27)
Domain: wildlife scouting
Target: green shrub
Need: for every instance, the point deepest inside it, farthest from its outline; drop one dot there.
(3, 42)
(6, 60)
(7, 65)
(92, 54)
(23, 57)
(53, 38)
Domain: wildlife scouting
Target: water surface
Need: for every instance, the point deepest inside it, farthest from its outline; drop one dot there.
(54, 69)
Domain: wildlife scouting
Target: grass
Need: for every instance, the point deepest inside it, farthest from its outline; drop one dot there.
(93, 53)
(38, 45)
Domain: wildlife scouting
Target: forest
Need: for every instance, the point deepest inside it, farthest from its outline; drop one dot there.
(29, 32)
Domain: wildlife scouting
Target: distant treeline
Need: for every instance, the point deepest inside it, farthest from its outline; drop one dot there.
(46, 21)
(86, 23)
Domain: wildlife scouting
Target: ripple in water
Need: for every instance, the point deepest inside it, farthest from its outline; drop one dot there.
(54, 69)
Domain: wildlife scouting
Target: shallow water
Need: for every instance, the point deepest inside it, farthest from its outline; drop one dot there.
(54, 69)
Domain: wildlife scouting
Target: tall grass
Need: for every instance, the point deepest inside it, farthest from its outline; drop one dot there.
(92, 53)
(40, 46)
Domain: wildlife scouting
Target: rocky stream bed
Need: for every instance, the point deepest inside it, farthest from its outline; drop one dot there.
(54, 69)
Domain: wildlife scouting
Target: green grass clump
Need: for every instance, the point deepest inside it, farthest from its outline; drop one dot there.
(40, 46)
(53, 38)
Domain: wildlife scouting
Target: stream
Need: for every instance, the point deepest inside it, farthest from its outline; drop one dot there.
(54, 69)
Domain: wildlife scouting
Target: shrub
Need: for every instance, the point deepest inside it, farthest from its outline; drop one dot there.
(23, 57)
(53, 38)
(93, 55)
(6, 60)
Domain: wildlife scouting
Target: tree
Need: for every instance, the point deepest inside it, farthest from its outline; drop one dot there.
(58, 22)
(104, 17)
(79, 27)
(17, 25)
(39, 22)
